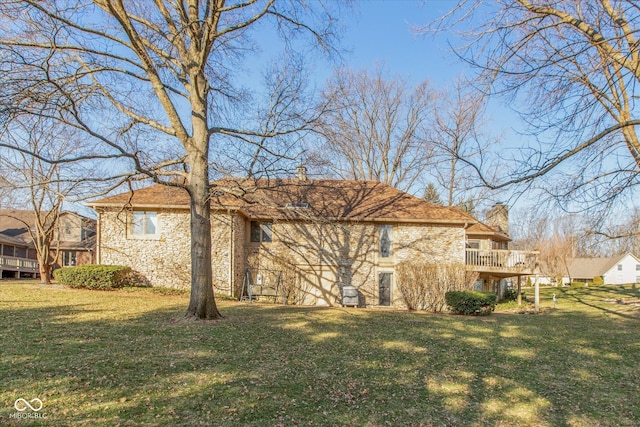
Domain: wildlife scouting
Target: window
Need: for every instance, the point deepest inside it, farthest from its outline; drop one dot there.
(8, 250)
(619, 267)
(261, 232)
(68, 258)
(21, 252)
(385, 241)
(384, 289)
(297, 205)
(145, 223)
(637, 267)
(473, 244)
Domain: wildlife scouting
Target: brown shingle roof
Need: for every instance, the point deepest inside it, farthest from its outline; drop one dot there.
(14, 226)
(484, 230)
(290, 199)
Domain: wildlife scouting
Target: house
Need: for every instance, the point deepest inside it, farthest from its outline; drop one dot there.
(73, 244)
(322, 234)
(619, 270)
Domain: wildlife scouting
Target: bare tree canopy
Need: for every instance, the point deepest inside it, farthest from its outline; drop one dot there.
(156, 87)
(457, 134)
(43, 187)
(376, 127)
(572, 69)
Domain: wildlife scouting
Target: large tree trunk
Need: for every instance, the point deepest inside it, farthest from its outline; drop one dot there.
(45, 271)
(202, 304)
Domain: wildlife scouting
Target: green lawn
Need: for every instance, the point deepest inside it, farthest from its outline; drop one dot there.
(126, 358)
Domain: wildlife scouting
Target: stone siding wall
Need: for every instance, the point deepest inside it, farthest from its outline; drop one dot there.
(165, 259)
(320, 257)
(435, 243)
(328, 256)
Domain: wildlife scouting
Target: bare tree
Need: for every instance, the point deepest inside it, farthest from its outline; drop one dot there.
(529, 227)
(456, 135)
(618, 236)
(375, 128)
(44, 187)
(572, 69)
(153, 85)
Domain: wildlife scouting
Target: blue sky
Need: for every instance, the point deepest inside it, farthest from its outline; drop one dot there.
(380, 32)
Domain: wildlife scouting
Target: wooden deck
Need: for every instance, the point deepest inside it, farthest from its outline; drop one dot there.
(23, 265)
(502, 263)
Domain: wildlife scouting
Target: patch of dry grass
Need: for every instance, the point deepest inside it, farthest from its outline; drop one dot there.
(124, 358)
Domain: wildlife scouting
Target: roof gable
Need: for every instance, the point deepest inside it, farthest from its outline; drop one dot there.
(15, 224)
(481, 229)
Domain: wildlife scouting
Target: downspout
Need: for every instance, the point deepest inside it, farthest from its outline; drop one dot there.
(231, 254)
(98, 239)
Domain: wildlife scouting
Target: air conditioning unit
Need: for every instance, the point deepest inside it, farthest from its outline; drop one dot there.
(349, 296)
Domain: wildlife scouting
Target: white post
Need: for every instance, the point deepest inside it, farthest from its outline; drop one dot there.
(537, 295)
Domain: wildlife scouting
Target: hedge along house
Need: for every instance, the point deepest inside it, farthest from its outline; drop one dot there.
(309, 237)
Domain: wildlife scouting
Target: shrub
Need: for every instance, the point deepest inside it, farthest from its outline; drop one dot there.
(598, 280)
(577, 284)
(510, 294)
(423, 285)
(102, 277)
(471, 302)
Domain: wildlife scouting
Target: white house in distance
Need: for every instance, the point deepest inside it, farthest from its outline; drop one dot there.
(618, 270)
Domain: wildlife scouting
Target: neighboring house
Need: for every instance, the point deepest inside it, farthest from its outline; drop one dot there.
(332, 233)
(618, 270)
(76, 240)
(74, 244)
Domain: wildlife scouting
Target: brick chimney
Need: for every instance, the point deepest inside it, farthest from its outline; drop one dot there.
(301, 173)
(498, 216)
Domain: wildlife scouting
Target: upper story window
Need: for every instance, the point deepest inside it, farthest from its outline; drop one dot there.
(385, 239)
(619, 267)
(144, 224)
(261, 232)
(637, 267)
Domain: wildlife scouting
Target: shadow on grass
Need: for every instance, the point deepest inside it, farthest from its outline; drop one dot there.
(602, 299)
(274, 365)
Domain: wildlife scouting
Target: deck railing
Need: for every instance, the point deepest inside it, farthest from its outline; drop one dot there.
(18, 264)
(504, 260)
